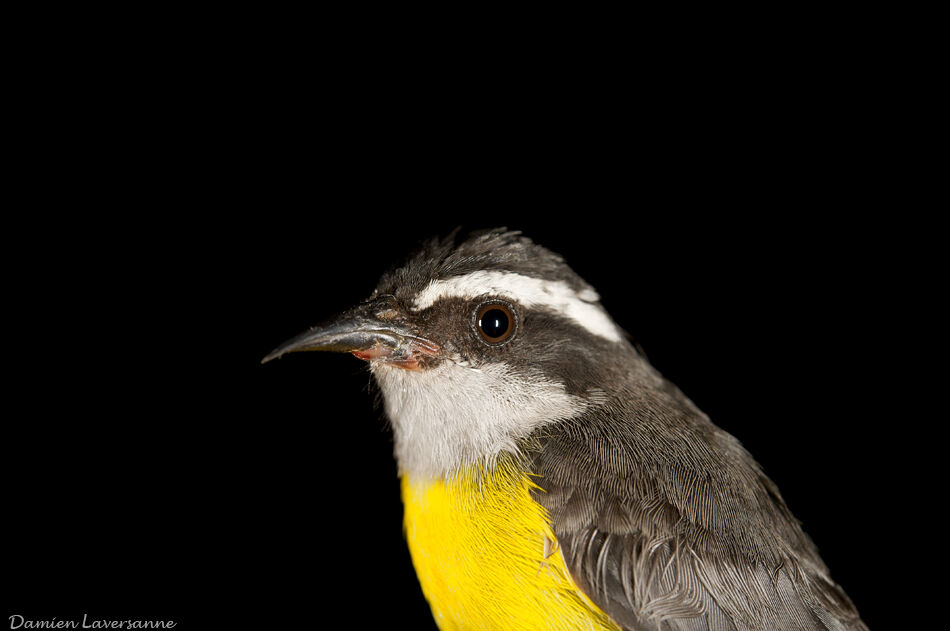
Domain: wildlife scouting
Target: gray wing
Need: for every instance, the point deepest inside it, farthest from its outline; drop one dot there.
(667, 523)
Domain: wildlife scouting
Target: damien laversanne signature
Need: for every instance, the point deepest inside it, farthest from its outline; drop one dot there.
(19, 622)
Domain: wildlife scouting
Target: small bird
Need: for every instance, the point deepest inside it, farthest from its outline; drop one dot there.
(551, 477)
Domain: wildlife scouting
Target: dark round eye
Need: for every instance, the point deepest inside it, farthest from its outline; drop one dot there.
(495, 322)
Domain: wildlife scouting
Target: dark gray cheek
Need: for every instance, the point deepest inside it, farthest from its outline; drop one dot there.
(456, 352)
(449, 322)
(475, 353)
(568, 354)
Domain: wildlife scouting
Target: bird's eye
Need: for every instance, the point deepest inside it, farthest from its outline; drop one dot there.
(495, 322)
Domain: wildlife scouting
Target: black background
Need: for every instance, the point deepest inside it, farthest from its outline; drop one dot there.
(183, 215)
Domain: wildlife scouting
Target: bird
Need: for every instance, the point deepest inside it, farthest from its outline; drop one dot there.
(551, 477)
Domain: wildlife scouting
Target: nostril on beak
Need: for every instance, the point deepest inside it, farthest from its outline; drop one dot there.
(388, 308)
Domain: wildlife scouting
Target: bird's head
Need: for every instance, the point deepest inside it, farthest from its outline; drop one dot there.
(476, 343)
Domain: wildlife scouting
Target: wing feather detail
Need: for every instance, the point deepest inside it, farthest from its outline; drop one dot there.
(668, 524)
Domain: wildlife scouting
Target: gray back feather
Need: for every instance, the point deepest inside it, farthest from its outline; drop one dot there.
(667, 523)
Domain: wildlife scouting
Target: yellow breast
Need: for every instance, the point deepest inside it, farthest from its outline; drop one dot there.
(487, 559)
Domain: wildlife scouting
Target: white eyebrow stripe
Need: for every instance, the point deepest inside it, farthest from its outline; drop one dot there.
(557, 295)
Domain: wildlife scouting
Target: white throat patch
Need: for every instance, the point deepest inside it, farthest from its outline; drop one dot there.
(450, 416)
(581, 307)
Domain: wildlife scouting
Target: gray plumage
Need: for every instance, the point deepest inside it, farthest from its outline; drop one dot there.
(667, 523)
(664, 520)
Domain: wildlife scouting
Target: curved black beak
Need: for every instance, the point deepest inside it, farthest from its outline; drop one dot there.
(372, 330)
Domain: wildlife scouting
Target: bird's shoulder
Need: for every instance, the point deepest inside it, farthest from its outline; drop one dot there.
(666, 522)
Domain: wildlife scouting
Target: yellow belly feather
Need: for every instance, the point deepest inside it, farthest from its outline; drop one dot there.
(486, 556)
